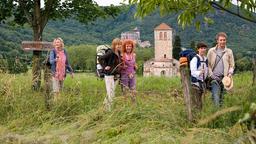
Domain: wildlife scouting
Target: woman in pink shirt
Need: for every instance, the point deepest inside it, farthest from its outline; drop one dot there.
(59, 66)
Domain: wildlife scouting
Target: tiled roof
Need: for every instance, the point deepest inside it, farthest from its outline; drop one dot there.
(163, 26)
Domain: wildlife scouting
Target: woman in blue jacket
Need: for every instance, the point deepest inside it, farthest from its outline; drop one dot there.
(59, 66)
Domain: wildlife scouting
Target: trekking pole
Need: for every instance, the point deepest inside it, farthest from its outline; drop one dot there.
(204, 85)
(115, 68)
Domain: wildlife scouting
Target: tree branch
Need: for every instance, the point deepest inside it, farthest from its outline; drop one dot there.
(22, 4)
(46, 12)
(218, 6)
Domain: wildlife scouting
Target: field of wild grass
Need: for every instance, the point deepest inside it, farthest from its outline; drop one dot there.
(78, 117)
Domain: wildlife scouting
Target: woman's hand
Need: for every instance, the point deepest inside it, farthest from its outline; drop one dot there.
(135, 67)
(72, 75)
(107, 68)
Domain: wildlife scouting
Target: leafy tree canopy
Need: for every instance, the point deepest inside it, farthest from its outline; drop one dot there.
(190, 11)
(25, 11)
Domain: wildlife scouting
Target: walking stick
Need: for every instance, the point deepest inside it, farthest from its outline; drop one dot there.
(204, 85)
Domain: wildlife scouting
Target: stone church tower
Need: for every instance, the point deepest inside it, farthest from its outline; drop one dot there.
(163, 64)
(163, 42)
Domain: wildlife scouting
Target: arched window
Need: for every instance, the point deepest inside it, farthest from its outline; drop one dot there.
(164, 55)
(161, 36)
(165, 35)
(163, 73)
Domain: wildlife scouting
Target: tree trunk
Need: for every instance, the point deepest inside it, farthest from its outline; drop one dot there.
(47, 86)
(36, 63)
(37, 34)
(185, 80)
(36, 70)
(254, 70)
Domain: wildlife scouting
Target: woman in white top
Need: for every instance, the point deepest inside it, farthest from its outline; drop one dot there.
(199, 71)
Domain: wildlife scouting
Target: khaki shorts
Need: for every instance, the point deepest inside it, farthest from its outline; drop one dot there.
(57, 85)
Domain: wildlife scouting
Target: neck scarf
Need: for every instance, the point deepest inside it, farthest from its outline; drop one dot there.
(60, 65)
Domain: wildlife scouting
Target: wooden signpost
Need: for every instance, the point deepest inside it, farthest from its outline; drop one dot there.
(40, 46)
(36, 46)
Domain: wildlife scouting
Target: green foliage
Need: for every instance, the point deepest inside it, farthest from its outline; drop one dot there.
(142, 55)
(240, 34)
(3, 65)
(190, 11)
(74, 33)
(193, 45)
(12, 64)
(176, 47)
(82, 57)
(244, 64)
(23, 11)
(16, 66)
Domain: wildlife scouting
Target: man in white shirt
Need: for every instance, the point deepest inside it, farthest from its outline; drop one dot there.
(199, 71)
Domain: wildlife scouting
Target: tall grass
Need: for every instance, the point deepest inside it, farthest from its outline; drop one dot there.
(78, 117)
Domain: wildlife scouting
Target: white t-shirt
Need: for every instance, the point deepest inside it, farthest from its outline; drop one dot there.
(195, 72)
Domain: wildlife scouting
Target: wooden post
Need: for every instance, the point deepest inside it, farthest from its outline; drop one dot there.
(185, 80)
(48, 86)
(254, 69)
(110, 87)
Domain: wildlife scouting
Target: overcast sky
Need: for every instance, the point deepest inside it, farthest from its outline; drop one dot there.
(109, 2)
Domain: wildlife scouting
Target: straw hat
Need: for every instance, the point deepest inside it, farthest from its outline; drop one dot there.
(227, 82)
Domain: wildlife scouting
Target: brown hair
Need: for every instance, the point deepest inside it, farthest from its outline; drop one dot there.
(201, 44)
(223, 34)
(115, 42)
(127, 42)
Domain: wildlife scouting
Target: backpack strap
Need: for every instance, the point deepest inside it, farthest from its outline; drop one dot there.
(54, 52)
(199, 61)
(217, 62)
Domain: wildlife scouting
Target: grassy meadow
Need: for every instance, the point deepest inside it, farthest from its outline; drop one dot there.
(78, 116)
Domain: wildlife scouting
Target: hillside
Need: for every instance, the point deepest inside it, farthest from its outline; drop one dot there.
(78, 117)
(241, 33)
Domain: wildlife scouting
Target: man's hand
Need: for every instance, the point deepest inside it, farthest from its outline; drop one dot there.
(202, 72)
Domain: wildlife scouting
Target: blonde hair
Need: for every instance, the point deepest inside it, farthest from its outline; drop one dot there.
(115, 42)
(61, 41)
(223, 34)
(127, 42)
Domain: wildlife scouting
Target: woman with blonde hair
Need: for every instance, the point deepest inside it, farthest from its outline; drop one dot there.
(59, 66)
(111, 62)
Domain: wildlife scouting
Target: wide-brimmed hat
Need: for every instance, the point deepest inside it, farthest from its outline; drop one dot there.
(228, 82)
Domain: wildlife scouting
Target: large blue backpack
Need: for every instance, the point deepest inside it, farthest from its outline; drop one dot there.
(186, 56)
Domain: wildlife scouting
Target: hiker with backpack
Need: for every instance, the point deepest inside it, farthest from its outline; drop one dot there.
(110, 62)
(59, 66)
(199, 71)
(221, 64)
(128, 80)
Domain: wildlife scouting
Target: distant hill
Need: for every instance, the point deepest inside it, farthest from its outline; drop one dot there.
(242, 34)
